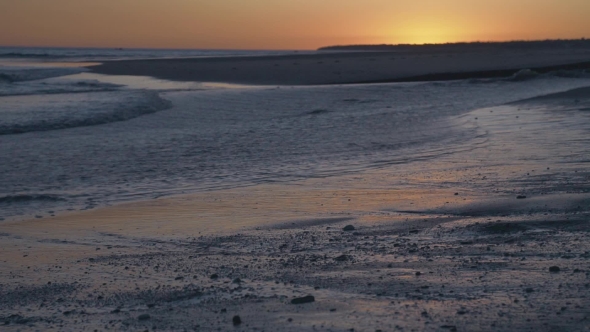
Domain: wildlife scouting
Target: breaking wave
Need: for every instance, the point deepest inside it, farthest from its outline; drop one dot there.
(55, 87)
(12, 75)
(83, 113)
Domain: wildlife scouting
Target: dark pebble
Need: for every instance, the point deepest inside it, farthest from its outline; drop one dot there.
(237, 320)
(520, 197)
(303, 300)
(348, 228)
(341, 258)
(144, 317)
(554, 269)
(214, 276)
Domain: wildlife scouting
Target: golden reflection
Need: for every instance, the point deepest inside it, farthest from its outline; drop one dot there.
(425, 30)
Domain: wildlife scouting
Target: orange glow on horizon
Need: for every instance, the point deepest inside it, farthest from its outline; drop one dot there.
(284, 24)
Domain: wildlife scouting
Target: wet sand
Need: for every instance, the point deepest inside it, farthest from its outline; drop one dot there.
(353, 67)
(425, 256)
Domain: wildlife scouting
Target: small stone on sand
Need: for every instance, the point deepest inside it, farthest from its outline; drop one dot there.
(303, 300)
(341, 258)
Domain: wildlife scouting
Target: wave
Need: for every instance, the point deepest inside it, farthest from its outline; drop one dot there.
(12, 75)
(579, 99)
(525, 75)
(570, 73)
(26, 198)
(26, 55)
(45, 88)
(129, 107)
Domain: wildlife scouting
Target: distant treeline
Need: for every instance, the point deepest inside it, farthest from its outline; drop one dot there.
(516, 44)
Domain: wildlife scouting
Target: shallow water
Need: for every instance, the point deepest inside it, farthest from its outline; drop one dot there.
(75, 140)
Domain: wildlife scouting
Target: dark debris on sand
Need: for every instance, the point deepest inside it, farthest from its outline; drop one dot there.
(455, 272)
(303, 300)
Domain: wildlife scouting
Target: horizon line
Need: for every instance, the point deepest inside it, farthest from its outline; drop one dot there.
(296, 50)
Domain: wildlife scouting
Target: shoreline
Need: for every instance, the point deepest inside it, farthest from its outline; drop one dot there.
(351, 67)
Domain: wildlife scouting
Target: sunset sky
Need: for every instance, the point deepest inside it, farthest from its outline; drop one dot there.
(284, 24)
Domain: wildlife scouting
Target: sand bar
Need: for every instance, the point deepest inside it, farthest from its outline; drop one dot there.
(352, 67)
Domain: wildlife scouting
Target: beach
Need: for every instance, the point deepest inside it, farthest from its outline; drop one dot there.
(294, 198)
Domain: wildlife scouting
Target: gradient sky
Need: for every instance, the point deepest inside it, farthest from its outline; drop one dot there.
(284, 24)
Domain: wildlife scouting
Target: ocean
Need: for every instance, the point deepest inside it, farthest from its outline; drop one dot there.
(74, 140)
